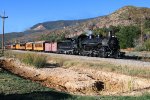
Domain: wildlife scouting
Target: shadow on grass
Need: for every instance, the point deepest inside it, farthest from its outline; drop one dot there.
(48, 65)
(50, 95)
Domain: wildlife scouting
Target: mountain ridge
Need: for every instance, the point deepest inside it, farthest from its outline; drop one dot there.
(128, 15)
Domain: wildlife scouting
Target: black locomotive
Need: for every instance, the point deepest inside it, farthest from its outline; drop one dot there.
(92, 45)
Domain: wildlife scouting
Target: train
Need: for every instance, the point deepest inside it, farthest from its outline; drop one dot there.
(83, 45)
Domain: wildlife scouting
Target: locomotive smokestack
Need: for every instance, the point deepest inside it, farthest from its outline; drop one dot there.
(110, 34)
(89, 33)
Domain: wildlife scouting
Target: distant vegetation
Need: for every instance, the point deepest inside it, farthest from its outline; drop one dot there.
(53, 37)
(51, 25)
(11, 37)
(129, 36)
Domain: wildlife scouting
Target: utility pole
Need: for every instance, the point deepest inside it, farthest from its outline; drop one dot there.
(141, 26)
(3, 22)
(141, 31)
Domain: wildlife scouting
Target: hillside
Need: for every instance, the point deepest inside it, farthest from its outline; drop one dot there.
(128, 15)
(51, 25)
(11, 37)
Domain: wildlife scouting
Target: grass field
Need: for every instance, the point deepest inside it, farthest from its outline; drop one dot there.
(13, 87)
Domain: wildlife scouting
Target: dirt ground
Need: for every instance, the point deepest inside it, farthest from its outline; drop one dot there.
(61, 79)
(79, 80)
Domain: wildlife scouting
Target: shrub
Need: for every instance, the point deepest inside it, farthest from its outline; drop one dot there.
(144, 47)
(36, 60)
(139, 48)
(39, 61)
(147, 45)
(28, 58)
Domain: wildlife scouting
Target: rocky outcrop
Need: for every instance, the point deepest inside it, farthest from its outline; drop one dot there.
(40, 27)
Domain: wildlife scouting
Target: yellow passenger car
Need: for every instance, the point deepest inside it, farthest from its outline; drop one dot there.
(13, 46)
(17, 46)
(29, 46)
(20, 46)
(38, 46)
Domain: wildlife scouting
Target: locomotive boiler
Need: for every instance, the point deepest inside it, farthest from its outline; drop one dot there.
(100, 46)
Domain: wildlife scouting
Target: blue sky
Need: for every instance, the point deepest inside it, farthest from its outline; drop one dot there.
(25, 13)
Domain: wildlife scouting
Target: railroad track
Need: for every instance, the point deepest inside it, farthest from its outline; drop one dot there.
(138, 54)
(127, 61)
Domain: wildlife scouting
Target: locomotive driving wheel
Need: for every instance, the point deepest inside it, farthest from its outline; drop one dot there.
(117, 55)
(103, 52)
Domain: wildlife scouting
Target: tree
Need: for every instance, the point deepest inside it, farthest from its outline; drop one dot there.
(147, 24)
(127, 35)
(53, 37)
(147, 27)
(100, 31)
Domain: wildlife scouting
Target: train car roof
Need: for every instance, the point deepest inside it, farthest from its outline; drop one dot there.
(29, 42)
(20, 43)
(8, 45)
(41, 41)
(12, 44)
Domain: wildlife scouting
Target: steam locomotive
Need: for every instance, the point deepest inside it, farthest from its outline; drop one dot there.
(91, 45)
(84, 45)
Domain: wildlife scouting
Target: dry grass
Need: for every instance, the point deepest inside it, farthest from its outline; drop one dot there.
(37, 60)
(122, 86)
(104, 66)
(98, 65)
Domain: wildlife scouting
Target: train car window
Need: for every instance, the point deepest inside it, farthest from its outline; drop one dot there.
(22, 44)
(38, 45)
(29, 45)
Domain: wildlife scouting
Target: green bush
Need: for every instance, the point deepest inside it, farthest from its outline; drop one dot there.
(39, 61)
(36, 60)
(28, 58)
